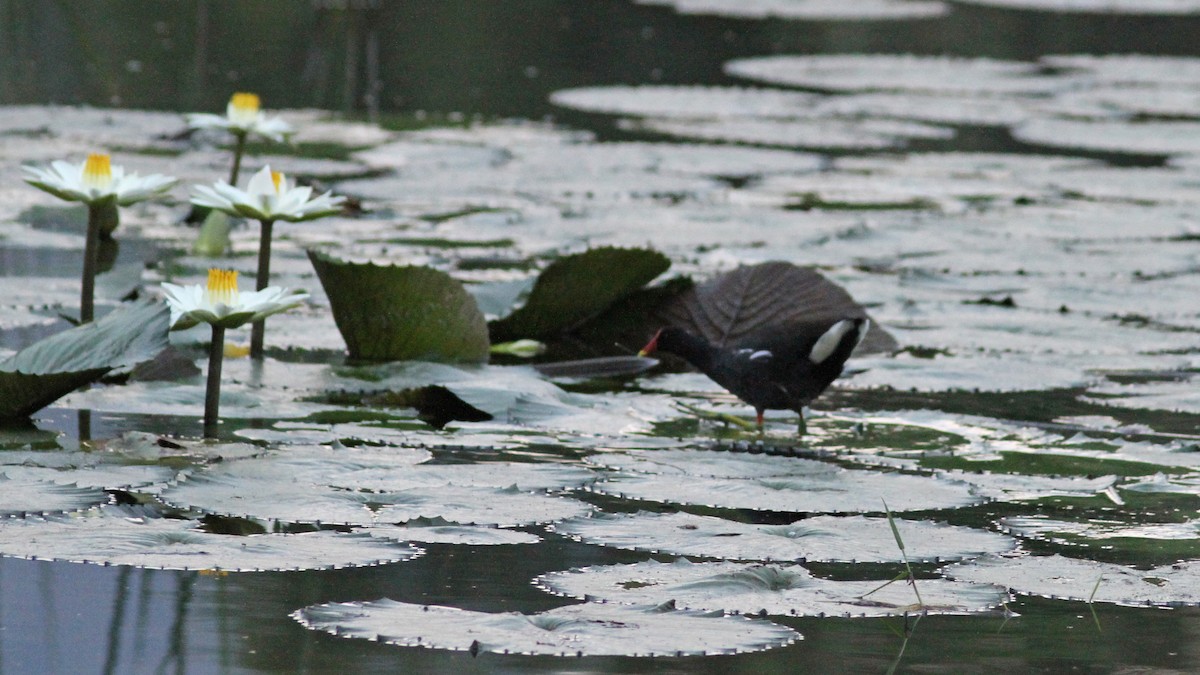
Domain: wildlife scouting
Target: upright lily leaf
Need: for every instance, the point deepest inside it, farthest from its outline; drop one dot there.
(47, 370)
(577, 287)
(753, 297)
(392, 313)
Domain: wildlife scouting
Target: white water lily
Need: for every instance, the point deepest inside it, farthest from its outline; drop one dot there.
(243, 117)
(96, 180)
(222, 305)
(269, 196)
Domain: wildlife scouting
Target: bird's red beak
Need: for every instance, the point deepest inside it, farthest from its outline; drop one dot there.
(651, 345)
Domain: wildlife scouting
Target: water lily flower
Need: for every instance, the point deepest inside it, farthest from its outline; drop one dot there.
(96, 180)
(103, 187)
(268, 197)
(243, 116)
(221, 305)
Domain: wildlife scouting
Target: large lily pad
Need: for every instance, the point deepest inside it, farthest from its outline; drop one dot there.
(819, 539)
(391, 313)
(1056, 576)
(770, 589)
(117, 536)
(831, 490)
(577, 287)
(47, 370)
(811, 10)
(589, 629)
(23, 494)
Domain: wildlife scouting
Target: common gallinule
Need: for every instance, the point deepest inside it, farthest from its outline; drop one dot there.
(779, 368)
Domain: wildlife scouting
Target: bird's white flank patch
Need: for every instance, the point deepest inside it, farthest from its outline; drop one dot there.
(828, 342)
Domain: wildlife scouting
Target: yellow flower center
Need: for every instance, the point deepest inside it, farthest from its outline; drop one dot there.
(245, 103)
(222, 287)
(97, 172)
(276, 178)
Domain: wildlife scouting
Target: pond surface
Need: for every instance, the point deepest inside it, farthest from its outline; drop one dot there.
(1015, 207)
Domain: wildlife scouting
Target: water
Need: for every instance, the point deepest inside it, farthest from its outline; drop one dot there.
(492, 60)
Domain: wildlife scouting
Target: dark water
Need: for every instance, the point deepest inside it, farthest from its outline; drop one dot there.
(493, 58)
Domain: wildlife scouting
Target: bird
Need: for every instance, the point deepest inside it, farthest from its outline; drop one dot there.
(782, 367)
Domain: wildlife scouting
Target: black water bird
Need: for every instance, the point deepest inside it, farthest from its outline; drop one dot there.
(782, 367)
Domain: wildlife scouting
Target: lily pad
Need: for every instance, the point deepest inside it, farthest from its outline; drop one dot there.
(49, 369)
(119, 536)
(767, 589)
(577, 630)
(1065, 578)
(819, 539)
(525, 476)
(1165, 138)
(22, 494)
(830, 490)
(1118, 7)
(1111, 534)
(577, 287)
(686, 102)
(429, 532)
(388, 312)
(888, 72)
(267, 491)
(809, 10)
(817, 133)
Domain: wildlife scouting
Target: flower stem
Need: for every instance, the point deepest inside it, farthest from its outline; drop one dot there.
(238, 148)
(91, 253)
(212, 395)
(262, 281)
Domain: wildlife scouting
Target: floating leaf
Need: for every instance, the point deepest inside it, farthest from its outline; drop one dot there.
(709, 464)
(752, 298)
(525, 476)
(1117, 7)
(887, 72)
(1106, 530)
(686, 102)
(388, 312)
(21, 493)
(577, 287)
(117, 536)
(818, 539)
(767, 589)
(831, 490)
(1167, 138)
(47, 370)
(425, 532)
(813, 133)
(1071, 579)
(577, 630)
(267, 490)
(810, 10)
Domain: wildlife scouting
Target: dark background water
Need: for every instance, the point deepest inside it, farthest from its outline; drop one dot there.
(494, 58)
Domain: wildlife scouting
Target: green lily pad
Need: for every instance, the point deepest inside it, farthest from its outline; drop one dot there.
(577, 287)
(391, 313)
(40, 374)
